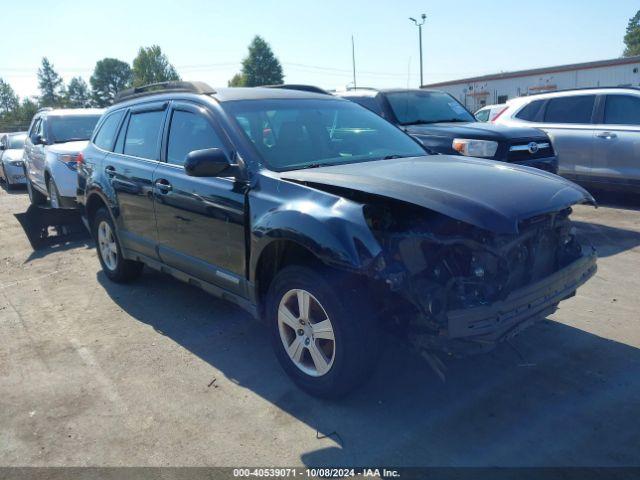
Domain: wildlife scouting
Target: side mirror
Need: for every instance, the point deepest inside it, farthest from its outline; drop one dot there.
(210, 162)
(38, 140)
(2, 147)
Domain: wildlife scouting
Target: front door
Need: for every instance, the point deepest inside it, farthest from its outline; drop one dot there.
(200, 220)
(617, 141)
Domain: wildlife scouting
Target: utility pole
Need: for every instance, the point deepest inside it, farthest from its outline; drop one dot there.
(353, 60)
(419, 25)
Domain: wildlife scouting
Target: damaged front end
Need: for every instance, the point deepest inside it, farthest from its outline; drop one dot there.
(461, 289)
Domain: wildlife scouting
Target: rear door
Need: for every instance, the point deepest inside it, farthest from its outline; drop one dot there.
(200, 220)
(568, 122)
(617, 140)
(129, 173)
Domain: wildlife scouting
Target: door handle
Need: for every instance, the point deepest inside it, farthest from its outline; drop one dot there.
(606, 135)
(109, 171)
(163, 185)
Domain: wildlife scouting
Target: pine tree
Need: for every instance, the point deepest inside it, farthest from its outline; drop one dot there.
(50, 85)
(261, 67)
(77, 94)
(632, 37)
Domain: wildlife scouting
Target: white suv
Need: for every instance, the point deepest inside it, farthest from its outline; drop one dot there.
(595, 132)
(53, 142)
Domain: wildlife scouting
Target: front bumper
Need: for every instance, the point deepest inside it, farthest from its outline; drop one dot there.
(14, 174)
(503, 319)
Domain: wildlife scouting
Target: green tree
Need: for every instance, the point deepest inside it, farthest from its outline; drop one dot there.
(110, 75)
(236, 81)
(26, 111)
(632, 37)
(152, 66)
(50, 85)
(77, 94)
(8, 99)
(261, 67)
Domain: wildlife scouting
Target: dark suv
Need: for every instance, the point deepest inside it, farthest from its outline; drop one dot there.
(327, 221)
(443, 125)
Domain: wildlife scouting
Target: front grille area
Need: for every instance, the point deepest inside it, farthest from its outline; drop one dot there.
(519, 152)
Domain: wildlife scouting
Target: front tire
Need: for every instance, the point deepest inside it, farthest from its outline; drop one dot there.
(114, 265)
(54, 195)
(35, 197)
(327, 345)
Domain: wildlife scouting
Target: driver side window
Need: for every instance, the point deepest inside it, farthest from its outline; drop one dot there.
(188, 132)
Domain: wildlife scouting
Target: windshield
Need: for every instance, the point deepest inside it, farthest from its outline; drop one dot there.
(413, 107)
(293, 134)
(16, 141)
(71, 128)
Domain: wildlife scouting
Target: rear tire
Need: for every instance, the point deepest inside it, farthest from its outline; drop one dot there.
(325, 359)
(35, 197)
(114, 265)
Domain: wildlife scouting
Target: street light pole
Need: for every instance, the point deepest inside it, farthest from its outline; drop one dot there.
(419, 25)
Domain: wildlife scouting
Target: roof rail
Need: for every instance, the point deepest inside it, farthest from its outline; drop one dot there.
(577, 89)
(163, 87)
(44, 109)
(301, 87)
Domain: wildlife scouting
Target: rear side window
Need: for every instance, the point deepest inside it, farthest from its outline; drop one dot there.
(530, 112)
(189, 132)
(575, 109)
(482, 115)
(143, 133)
(108, 131)
(622, 110)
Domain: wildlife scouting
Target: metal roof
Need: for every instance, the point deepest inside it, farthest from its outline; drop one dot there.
(541, 71)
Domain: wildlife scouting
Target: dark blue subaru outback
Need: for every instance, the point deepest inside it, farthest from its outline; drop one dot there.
(327, 221)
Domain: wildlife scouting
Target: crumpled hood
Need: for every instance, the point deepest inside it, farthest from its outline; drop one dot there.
(69, 147)
(13, 154)
(477, 130)
(492, 195)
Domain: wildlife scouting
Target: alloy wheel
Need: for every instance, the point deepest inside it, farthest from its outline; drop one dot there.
(306, 332)
(107, 245)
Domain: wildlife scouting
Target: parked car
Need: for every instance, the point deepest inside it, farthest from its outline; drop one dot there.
(11, 165)
(327, 221)
(443, 125)
(595, 132)
(490, 112)
(54, 139)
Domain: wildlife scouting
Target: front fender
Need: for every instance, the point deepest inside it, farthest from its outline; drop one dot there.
(332, 228)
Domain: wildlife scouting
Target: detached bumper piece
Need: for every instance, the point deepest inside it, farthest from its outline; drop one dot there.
(504, 319)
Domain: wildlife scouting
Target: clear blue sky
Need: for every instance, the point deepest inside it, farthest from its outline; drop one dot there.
(206, 40)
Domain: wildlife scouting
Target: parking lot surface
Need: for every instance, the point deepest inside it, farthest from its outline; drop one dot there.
(160, 373)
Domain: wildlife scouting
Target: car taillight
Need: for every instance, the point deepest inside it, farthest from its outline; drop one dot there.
(80, 159)
(499, 113)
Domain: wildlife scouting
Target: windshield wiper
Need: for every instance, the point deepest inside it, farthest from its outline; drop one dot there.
(391, 157)
(444, 120)
(65, 140)
(312, 165)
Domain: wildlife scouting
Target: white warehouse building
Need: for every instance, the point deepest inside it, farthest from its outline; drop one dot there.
(477, 92)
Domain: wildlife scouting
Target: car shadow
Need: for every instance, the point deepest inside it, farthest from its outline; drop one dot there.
(607, 240)
(14, 190)
(556, 396)
(52, 230)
